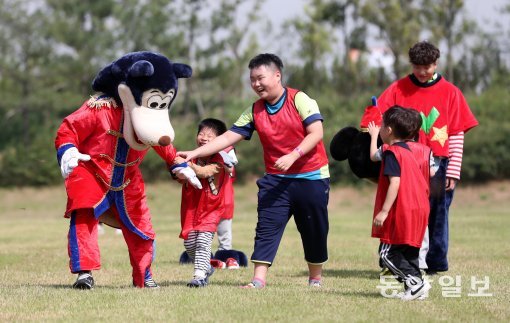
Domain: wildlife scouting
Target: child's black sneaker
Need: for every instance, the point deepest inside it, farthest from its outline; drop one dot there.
(195, 283)
(84, 281)
(209, 274)
(150, 283)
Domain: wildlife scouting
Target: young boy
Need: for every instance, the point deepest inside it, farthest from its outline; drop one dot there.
(201, 210)
(402, 200)
(421, 152)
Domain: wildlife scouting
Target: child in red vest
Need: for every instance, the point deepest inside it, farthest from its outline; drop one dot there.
(402, 201)
(201, 210)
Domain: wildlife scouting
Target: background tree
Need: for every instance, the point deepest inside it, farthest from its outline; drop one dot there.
(24, 55)
(314, 41)
(446, 21)
(221, 63)
(50, 51)
(398, 22)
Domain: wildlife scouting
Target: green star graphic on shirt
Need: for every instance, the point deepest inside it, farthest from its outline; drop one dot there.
(428, 121)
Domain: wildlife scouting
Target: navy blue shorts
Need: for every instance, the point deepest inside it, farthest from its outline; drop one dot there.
(278, 199)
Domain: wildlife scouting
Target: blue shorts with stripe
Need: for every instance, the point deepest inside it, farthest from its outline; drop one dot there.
(278, 199)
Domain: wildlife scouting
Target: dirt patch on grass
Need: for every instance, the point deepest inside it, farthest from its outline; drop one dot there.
(495, 193)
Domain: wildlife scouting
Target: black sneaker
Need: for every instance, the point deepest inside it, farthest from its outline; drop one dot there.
(209, 273)
(150, 283)
(84, 281)
(431, 272)
(195, 283)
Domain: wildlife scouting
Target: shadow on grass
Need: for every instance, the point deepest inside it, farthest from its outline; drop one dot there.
(70, 286)
(55, 286)
(360, 294)
(276, 288)
(346, 273)
(349, 273)
(233, 284)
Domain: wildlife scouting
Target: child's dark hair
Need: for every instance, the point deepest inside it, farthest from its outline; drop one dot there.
(423, 53)
(417, 122)
(266, 59)
(217, 125)
(405, 122)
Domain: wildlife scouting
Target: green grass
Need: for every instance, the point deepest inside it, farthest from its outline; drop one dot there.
(35, 279)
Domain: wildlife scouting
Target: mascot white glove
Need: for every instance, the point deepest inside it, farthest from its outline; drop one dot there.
(229, 158)
(183, 171)
(70, 160)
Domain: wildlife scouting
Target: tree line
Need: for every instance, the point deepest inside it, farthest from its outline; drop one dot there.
(50, 51)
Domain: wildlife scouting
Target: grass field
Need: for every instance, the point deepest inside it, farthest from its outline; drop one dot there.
(35, 280)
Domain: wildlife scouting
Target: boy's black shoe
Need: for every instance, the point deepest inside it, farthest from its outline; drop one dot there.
(84, 281)
(150, 283)
(431, 272)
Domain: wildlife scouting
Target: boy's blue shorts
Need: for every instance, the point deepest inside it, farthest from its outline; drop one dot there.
(278, 199)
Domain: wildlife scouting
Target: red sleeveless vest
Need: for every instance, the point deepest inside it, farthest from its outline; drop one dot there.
(283, 131)
(408, 217)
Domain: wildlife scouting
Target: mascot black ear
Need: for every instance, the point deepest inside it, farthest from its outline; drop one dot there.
(354, 145)
(359, 157)
(141, 69)
(341, 143)
(182, 70)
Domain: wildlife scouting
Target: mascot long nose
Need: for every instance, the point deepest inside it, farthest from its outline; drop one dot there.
(164, 141)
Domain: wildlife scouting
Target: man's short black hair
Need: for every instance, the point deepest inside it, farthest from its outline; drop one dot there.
(218, 126)
(266, 59)
(405, 122)
(423, 53)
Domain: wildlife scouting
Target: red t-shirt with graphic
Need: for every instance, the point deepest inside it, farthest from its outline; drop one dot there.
(443, 108)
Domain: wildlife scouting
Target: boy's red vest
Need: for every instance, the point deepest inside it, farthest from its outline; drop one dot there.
(408, 217)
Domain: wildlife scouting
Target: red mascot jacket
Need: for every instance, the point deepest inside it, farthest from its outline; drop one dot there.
(112, 177)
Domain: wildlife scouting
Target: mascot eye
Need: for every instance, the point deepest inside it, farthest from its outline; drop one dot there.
(158, 103)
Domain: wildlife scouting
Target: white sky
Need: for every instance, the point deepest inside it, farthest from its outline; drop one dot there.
(482, 10)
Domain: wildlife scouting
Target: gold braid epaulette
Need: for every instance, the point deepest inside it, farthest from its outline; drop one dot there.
(99, 101)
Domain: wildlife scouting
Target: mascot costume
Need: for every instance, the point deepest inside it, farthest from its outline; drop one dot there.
(99, 149)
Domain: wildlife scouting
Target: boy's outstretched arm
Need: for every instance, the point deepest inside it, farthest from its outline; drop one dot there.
(229, 138)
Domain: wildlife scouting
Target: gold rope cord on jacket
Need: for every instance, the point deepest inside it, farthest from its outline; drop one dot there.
(116, 163)
(113, 188)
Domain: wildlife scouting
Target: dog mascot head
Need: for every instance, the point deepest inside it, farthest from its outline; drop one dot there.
(145, 83)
